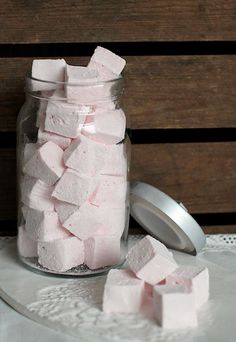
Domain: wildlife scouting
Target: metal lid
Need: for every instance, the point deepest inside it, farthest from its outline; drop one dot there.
(165, 219)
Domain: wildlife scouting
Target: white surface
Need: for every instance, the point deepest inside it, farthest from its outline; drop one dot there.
(14, 327)
(72, 306)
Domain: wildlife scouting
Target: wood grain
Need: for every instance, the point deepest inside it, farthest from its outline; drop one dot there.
(117, 21)
(201, 175)
(161, 92)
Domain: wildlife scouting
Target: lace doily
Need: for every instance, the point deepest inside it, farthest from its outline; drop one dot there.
(78, 307)
(221, 240)
(74, 306)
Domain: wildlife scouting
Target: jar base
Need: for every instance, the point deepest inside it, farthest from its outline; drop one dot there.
(79, 271)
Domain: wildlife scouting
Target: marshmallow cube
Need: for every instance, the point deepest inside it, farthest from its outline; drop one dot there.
(26, 247)
(57, 94)
(195, 279)
(65, 119)
(80, 75)
(110, 192)
(101, 251)
(46, 164)
(174, 307)
(104, 94)
(51, 70)
(81, 85)
(104, 74)
(61, 255)
(44, 225)
(41, 113)
(36, 194)
(85, 156)
(64, 210)
(115, 161)
(150, 260)
(108, 60)
(59, 140)
(73, 188)
(90, 221)
(108, 126)
(29, 151)
(123, 292)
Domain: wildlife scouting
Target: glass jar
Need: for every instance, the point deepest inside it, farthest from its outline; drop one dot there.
(73, 167)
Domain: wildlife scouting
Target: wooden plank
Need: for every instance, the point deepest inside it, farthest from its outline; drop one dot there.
(201, 175)
(117, 21)
(228, 229)
(161, 92)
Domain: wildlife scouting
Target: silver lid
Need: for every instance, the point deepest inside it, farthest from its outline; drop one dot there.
(165, 219)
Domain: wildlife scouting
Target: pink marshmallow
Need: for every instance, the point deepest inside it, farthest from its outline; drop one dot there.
(104, 94)
(43, 102)
(111, 191)
(51, 70)
(80, 86)
(107, 127)
(46, 164)
(104, 74)
(115, 161)
(174, 307)
(85, 156)
(65, 119)
(151, 261)
(89, 221)
(62, 254)
(101, 251)
(195, 279)
(80, 75)
(44, 225)
(26, 247)
(73, 188)
(123, 292)
(36, 194)
(57, 94)
(108, 62)
(29, 151)
(59, 140)
(64, 210)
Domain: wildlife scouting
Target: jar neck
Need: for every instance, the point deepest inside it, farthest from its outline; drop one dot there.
(77, 93)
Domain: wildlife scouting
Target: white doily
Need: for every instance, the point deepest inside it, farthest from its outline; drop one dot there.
(74, 306)
(221, 240)
(78, 305)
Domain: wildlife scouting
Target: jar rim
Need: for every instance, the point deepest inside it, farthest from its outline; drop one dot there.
(82, 84)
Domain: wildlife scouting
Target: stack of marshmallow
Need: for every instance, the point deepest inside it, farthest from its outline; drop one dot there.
(174, 292)
(74, 184)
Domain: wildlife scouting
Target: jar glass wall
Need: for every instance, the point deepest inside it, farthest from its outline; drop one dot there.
(73, 177)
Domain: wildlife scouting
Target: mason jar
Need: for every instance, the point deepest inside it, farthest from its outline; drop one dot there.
(73, 177)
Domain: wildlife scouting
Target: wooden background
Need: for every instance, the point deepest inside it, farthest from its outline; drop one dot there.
(180, 90)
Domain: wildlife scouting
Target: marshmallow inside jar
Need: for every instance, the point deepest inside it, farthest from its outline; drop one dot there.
(73, 163)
